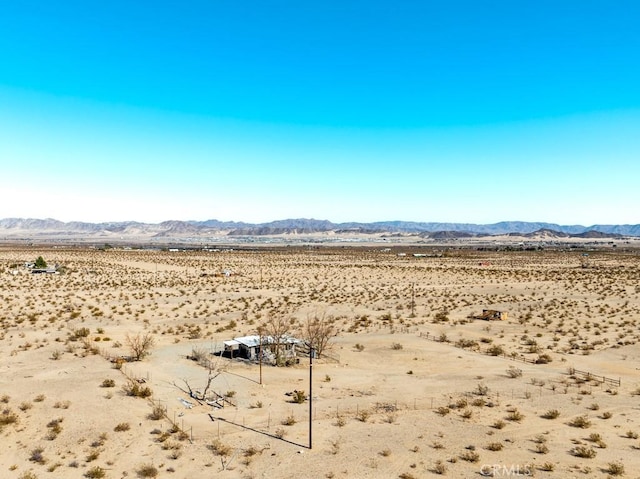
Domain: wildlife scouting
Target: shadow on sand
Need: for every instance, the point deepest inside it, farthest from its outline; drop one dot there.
(259, 432)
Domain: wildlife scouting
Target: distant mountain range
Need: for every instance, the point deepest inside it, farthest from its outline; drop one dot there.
(12, 227)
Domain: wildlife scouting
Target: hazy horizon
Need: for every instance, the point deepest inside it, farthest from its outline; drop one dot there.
(238, 111)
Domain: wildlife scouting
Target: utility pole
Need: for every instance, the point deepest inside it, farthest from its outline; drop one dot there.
(413, 300)
(311, 351)
(260, 358)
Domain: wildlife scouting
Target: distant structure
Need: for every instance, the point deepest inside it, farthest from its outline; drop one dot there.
(248, 347)
(492, 315)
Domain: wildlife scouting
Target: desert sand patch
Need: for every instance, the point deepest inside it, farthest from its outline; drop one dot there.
(412, 386)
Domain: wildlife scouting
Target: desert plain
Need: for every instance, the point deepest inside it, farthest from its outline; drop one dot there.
(411, 385)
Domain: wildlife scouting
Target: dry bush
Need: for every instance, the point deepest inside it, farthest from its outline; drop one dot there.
(147, 470)
(121, 427)
(584, 452)
(96, 472)
(582, 422)
(499, 424)
(140, 345)
(615, 469)
(494, 446)
(134, 389)
(156, 413)
(219, 448)
(515, 415)
(551, 414)
(290, 420)
(8, 417)
(439, 468)
(363, 415)
(514, 372)
(470, 456)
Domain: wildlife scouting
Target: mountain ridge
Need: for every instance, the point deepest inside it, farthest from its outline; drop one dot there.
(297, 226)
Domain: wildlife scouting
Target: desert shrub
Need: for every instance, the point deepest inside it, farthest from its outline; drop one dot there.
(8, 417)
(147, 470)
(123, 426)
(499, 424)
(134, 389)
(96, 472)
(615, 468)
(27, 475)
(219, 448)
(607, 415)
(440, 468)
(288, 421)
(385, 452)
(37, 456)
(299, 397)
(582, 422)
(156, 413)
(359, 347)
(544, 359)
(108, 383)
(515, 415)
(584, 452)
(80, 333)
(551, 414)
(93, 455)
(363, 415)
(481, 390)
(470, 456)
(631, 434)
(514, 372)
(541, 448)
(495, 350)
(547, 467)
(494, 446)
(466, 343)
(396, 346)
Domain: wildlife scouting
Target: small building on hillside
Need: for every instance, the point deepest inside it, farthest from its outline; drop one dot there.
(493, 315)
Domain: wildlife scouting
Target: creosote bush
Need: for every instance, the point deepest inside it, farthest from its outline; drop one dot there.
(147, 470)
(582, 422)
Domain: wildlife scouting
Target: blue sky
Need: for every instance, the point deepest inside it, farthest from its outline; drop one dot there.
(459, 111)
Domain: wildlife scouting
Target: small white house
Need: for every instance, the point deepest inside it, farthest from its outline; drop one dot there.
(248, 347)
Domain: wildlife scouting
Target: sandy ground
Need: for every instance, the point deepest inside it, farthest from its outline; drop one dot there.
(410, 390)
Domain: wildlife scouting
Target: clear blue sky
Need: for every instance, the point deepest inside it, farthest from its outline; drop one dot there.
(460, 111)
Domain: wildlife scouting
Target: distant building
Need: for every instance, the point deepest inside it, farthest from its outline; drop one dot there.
(248, 347)
(493, 315)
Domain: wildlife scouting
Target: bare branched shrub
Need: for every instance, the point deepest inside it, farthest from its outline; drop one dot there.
(317, 332)
(140, 345)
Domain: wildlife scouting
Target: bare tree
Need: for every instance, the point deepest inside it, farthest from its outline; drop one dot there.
(214, 369)
(318, 331)
(140, 345)
(276, 327)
